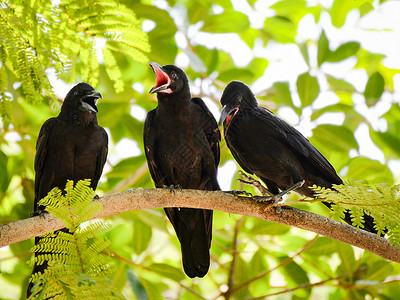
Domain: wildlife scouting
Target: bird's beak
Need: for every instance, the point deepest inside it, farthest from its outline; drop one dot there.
(226, 114)
(162, 79)
(89, 101)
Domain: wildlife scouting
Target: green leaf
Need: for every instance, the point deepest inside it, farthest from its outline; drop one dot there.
(344, 51)
(258, 265)
(389, 140)
(197, 11)
(307, 88)
(153, 218)
(323, 48)
(370, 170)
(120, 235)
(167, 271)
(161, 38)
(379, 270)
(336, 138)
(228, 21)
(346, 254)
(340, 85)
(241, 275)
(280, 93)
(119, 276)
(262, 227)
(391, 290)
(241, 74)
(209, 57)
(374, 88)
(365, 9)
(304, 51)
(339, 12)
(258, 66)
(323, 246)
(368, 60)
(154, 290)
(340, 9)
(329, 109)
(4, 180)
(281, 29)
(136, 285)
(296, 275)
(142, 234)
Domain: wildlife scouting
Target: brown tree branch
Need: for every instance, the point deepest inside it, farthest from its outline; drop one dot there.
(216, 200)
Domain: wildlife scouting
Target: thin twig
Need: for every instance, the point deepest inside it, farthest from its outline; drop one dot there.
(131, 263)
(282, 264)
(309, 285)
(232, 268)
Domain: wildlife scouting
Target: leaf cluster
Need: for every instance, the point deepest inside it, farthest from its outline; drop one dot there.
(380, 201)
(38, 35)
(78, 258)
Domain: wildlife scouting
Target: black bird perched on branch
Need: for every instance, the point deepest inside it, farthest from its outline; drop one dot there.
(181, 141)
(275, 151)
(71, 146)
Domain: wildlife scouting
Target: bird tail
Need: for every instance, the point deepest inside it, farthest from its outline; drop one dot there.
(194, 230)
(42, 267)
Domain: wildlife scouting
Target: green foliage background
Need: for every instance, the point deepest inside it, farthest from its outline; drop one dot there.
(250, 258)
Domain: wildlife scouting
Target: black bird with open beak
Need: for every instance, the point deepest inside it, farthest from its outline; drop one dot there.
(267, 146)
(71, 146)
(181, 141)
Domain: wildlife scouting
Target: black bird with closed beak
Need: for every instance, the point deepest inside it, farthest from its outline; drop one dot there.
(265, 145)
(71, 146)
(181, 142)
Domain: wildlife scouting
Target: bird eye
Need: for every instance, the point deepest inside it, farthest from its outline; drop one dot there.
(76, 93)
(174, 75)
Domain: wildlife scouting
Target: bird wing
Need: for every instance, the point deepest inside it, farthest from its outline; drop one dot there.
(210, 128)
(149, 150)
(41, 152)
(101, 158)
(303, 149)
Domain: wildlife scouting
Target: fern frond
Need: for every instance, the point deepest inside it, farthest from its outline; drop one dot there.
(380, 201)
(38, 35)
(75, 206)
(112, 69)
(77, 260)
(22, 57)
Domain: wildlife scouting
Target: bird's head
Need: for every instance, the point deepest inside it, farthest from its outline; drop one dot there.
(82, 97)
(237, 95)
(169, 80)
(80, 103)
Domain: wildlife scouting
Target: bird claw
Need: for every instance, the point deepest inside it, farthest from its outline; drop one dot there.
(239, 193)
(96, 197)
(267, 199)
(251, 181)
(270, 201)
(172, 188)
(39, 212)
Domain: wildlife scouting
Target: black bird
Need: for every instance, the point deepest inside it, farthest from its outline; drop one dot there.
(70, 146)
(275, 151)
(181, 141)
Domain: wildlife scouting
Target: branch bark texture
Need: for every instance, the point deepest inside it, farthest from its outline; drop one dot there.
(216, 200)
